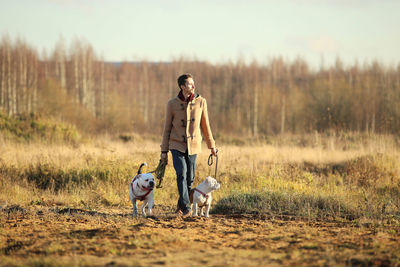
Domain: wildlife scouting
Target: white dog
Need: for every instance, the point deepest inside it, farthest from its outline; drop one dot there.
(142, 188)
(201, 195)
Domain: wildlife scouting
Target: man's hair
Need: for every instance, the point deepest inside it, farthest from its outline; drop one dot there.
(182, 79)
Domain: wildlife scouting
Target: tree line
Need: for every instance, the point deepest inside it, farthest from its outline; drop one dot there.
(76, 85)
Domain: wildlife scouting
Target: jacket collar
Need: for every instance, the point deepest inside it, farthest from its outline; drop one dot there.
(190, 98)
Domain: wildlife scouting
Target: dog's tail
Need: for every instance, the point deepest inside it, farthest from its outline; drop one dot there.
(141, 166)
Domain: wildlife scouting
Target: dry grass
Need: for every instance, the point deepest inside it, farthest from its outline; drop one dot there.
(82, 215)
(96, 173)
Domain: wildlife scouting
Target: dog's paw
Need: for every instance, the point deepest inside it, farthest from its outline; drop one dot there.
(152, 217)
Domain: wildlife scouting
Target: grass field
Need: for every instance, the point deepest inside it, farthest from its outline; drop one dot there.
(304, 200)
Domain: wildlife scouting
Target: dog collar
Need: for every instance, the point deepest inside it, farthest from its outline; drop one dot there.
(204, 195)
(140, 197)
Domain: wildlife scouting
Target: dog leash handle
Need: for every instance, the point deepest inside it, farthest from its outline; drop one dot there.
(160, 171)
(211, 162)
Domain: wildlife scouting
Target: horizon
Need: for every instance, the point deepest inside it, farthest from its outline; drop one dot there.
(312, 67)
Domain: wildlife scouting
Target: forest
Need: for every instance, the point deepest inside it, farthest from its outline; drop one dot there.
(75, 85)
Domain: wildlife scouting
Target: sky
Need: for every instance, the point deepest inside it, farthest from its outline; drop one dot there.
(217, 31)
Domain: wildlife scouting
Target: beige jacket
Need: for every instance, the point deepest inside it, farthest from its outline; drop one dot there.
(184, 124)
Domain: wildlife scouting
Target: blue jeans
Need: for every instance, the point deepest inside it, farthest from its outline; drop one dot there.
(185, 166)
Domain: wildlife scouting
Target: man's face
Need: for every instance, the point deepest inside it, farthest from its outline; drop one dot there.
(189, 87)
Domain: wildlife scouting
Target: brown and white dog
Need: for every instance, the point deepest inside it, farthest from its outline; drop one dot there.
(142, 188)
(201, 195)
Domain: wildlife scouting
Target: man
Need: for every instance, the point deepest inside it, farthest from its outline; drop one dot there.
(186, 119)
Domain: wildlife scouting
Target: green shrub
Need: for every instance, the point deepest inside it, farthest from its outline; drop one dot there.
(285, 203)
(46, 176)
(372, 171)
(30, 127)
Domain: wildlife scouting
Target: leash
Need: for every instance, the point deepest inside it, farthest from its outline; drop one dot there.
(211, 162)
(160, 172)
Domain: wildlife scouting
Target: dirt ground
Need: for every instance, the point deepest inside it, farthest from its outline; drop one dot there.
(42, 235)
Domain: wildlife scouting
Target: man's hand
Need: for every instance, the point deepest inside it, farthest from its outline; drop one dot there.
(164, 157)
(214, 151)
